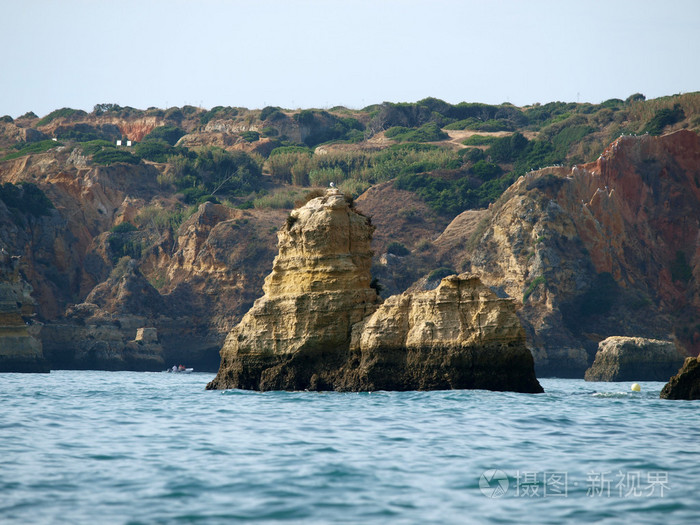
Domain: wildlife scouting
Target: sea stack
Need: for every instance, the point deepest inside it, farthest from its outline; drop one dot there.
(634, 359)
(321, 326)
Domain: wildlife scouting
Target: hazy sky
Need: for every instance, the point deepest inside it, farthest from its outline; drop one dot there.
(313, 53)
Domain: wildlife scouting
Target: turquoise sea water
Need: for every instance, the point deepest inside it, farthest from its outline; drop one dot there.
(121, 447)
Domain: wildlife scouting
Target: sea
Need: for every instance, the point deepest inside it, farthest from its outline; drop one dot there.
(92, 447)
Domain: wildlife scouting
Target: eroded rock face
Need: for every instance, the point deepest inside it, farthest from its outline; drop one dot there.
(319, 325)
(686, 383)
(634, 359)
(103, 332)
(459, 335)
(593, 251)
(20, 349)
(318, 288)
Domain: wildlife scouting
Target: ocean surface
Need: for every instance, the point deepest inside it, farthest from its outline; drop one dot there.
(120, 447)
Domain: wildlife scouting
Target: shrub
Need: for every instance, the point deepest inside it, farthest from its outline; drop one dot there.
(429, 132)
(440, 273)
(531, 287)
(168, 134)
(479, 140)
(662, 118)
(123, 227)
(34, 147)
(108, 156)
(269, 111)
(7, 119)
(160, 218)
(61, 113)
(93, 146)
(397, 248)
(250, 136)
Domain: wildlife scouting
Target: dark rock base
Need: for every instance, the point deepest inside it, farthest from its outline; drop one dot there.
(686, 383)
(24, 365)
(498, 367)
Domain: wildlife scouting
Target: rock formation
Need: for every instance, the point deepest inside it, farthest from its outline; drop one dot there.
(596, 250)
(686, 383)
(20, 349)
(107, 331)
(634, 359)
(319, 325)
(459, 335)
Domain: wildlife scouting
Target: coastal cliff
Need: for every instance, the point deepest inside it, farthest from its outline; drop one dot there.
(20, 349)
(320, 326)
(601, 249)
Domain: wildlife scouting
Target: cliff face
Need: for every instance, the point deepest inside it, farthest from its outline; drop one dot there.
(316, 326)
(101, 333)
(459, 335)
(608, 248)
(20, 349)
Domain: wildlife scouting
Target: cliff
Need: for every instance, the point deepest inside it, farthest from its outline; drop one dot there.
(319, 325)
(20, 349)
(601, 249)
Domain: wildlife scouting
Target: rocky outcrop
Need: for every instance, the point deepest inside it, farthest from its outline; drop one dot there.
(686, 383)
(593, 251)
(319, 325)
(20, 349)
(459, 335)
(108, 331)
(634, 359)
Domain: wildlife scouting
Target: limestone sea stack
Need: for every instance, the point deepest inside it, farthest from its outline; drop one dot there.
(321, 326)
(634, 359)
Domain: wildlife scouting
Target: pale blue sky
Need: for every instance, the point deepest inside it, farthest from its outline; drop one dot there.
(312, 53)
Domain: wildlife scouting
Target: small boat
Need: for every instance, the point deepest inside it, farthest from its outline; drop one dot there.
(180, 370)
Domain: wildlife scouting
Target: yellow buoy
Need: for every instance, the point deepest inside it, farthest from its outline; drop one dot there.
(636, 387)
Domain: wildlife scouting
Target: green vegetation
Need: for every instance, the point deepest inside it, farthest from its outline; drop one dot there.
(429, 132)
(123, 227)
(250, 136)
(397, 248)
(61, 113)
(168, 134)
(112, 155)
(162, 219)
(33, 147)
(531, 287)
(123, 245)
(440, 273)
(662, 118)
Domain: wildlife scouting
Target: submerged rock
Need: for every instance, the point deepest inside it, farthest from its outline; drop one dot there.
(634, 359)
(686, 383)
(320, 325)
